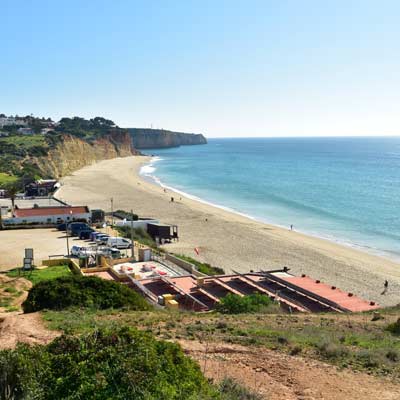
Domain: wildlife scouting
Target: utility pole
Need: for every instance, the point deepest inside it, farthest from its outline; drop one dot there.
(112, 212)
(66, 231)
(132, 245)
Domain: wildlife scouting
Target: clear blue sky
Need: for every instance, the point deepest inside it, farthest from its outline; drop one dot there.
(223, 68)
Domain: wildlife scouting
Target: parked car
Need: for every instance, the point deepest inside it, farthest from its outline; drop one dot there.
(75, 227)
(62, 227)
(76, 250)
(119, 243)
(102, 239)
(93, 235)
(85, 234)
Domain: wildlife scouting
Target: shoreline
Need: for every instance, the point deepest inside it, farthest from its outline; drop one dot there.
(227, 239)
(153, 179)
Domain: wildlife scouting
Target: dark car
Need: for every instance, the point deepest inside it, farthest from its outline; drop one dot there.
(74, 228)
(62, 227)
(85, 234)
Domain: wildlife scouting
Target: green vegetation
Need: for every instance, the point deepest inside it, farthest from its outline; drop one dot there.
(349, 341)
(139, 234)
(231, 390)
(235, 304)
(87, 129)
(202, 267)
(6, 179)
(79, 291)
(16, 153)
(128, 215)
(38, 275)
(121, 364)
(394, 327)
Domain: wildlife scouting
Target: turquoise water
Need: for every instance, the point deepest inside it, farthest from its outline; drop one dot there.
(343, 189)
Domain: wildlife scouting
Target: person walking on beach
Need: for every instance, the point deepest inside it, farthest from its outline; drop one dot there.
(385, 287)
(291, 227)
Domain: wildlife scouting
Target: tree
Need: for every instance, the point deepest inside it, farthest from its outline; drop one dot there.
(12, 191)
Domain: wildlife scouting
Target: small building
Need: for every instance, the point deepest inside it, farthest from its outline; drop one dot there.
(161, 232)
(42, 187)
(49, 215)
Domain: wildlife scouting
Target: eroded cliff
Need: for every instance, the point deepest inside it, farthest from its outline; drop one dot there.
(73, 153)
(158, 138)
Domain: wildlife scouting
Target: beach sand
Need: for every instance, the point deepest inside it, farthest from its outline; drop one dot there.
(229, 240)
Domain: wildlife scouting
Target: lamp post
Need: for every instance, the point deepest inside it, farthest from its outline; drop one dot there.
(66, 231)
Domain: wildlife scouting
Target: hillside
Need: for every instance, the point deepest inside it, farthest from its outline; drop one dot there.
(158, 138)
(32, 148)
(42, 148)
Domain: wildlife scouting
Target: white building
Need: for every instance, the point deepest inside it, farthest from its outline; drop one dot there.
(49, 215)
(7, 121)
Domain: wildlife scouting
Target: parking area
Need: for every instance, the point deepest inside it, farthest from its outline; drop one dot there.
(45, 243)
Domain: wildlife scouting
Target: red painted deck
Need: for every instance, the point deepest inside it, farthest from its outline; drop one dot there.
(352, 303)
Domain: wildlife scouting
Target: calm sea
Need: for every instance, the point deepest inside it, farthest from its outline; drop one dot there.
(343, 189)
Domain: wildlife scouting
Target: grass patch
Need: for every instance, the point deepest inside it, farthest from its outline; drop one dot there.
(204, 268)
(39, 275)
(6, 179)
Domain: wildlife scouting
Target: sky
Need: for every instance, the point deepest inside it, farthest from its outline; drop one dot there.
(224, 68)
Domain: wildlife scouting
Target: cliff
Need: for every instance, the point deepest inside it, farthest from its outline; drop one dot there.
(73, 153)
(157, 138)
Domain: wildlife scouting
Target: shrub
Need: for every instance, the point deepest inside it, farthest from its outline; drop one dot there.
(123, 364)
(329, 349)
(394, 328)
(235, 304)
(231, 390)
(204, 268)
(139, 234)
(75, 290)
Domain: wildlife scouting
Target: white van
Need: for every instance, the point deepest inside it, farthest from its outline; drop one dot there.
(119, 243)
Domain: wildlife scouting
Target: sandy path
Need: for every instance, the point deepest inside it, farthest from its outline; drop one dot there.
(23, 328)
(228, 240)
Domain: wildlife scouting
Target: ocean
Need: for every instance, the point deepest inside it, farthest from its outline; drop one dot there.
(343, 189)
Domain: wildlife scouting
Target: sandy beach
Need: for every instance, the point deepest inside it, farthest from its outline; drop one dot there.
(229, 240)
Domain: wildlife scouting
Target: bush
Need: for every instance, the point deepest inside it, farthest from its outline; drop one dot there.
(139, 234)
(231, 390)
(394, 328)
(75, 290)
(235, 304)
(123, 364)
(330, 350)
(124, 214)
(204, 268)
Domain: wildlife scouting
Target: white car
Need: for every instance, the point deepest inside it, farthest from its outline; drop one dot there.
(119, 243)
(76, 250)
(102, 239)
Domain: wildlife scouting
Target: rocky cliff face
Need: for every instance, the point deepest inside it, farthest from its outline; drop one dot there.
(156, 138)
(73, 153)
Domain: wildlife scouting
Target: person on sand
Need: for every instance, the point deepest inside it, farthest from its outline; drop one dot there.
(385, 287)
(291, 227)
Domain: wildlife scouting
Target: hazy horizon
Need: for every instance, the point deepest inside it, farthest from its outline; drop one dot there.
(224, 69)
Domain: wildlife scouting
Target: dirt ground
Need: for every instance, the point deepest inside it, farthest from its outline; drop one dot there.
(277, 376)
(45, 242)
(25, 328)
